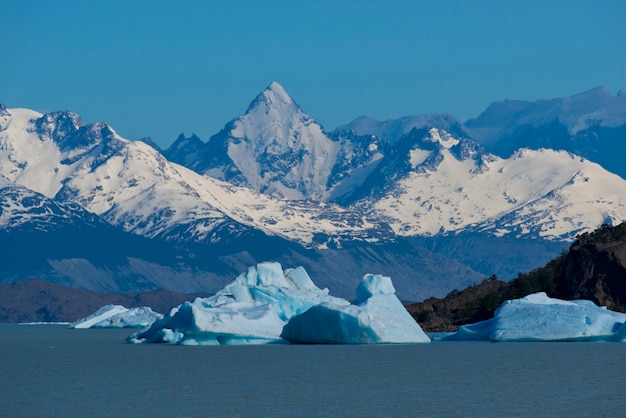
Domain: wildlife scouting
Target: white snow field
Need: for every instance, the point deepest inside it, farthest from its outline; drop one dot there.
(118, 316)
(537, 317)
(257, 305)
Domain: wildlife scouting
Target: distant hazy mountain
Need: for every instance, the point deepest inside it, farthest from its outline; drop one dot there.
(392, 130)
(591, 124)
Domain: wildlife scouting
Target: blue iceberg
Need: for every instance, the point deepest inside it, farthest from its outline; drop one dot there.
(377, 316)
(537, 317)
(256, 307)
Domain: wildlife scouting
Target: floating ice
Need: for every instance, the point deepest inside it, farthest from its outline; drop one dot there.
(376, 317)
(257, 305)
(117, 316)
(538, 317)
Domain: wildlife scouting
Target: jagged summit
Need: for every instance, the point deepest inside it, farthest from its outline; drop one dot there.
(56, 126)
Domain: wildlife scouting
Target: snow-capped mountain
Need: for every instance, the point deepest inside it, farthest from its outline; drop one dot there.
(277, 149)
(591, 124)
(425, 175)
(449, 185)
(363, 198)
(274, 148)
(132, 186)
(21, 207)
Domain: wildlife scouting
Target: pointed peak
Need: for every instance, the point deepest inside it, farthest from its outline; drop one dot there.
(274, 96)
(276, 88)
(276, 93)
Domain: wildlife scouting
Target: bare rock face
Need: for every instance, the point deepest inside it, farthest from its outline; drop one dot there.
(595, 268)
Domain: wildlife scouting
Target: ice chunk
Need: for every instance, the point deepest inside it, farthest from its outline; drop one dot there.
(256, 307)
(538, 317)
(117, 316)
(377, 317)
(253, 309)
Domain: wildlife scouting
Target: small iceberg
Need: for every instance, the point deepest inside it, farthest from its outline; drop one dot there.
(118, 316)
(537, 317)
(268, 305)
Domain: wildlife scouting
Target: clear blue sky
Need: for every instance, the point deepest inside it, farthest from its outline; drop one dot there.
(158, 68)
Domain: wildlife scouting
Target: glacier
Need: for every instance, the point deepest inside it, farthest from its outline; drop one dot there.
(537, 317)
(118, 316)
(268, 305)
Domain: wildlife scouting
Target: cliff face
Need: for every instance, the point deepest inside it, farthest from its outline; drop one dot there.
(595, 268)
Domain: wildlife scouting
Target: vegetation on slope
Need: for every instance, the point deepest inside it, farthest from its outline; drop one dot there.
(594, 268)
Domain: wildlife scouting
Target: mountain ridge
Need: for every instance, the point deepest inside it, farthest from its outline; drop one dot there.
(429, 183)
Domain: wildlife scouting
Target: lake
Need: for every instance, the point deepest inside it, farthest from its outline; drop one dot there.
(50, 370)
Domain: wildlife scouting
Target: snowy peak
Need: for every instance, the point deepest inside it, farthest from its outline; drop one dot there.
(272, 112)
(273, 97)
(57, 126)
(70, 133)
(274, 148)
(546, 194)
(441, 137)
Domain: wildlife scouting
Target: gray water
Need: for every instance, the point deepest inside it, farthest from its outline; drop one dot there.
(49, 370)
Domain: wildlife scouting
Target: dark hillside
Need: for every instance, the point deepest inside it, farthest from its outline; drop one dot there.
(41, 301)
(594, 268)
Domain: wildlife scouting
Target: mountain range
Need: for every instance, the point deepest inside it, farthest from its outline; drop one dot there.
(432, 202)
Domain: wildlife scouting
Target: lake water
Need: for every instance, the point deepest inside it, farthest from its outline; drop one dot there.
(49, 370)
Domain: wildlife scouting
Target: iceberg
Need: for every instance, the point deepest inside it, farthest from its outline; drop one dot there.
(118, 316)
(537, 317)
(258, 305)
(377, 316)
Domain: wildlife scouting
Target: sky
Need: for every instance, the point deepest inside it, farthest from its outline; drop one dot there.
(160, 68)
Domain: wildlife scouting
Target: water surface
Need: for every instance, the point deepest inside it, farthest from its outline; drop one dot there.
(49, 370)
